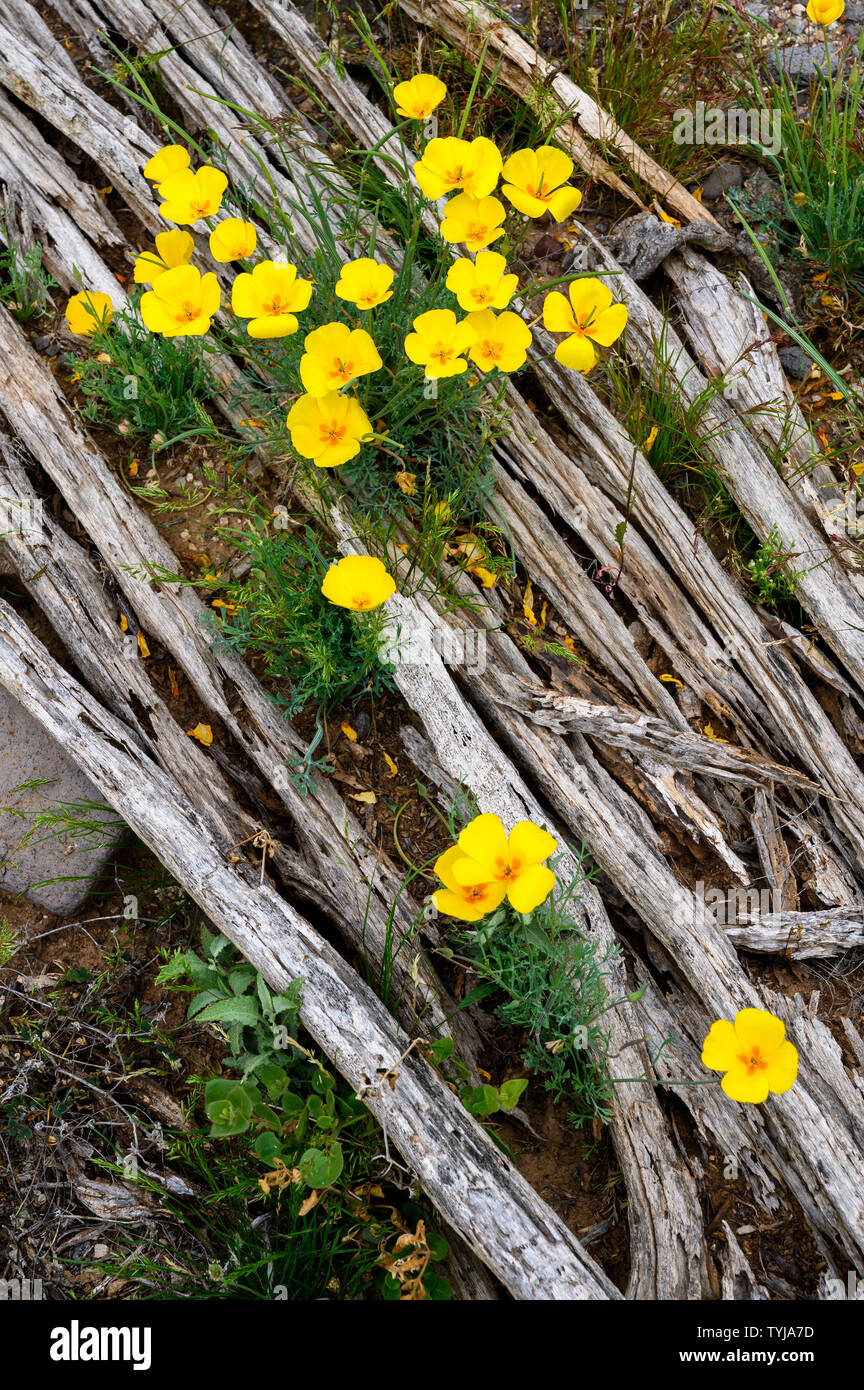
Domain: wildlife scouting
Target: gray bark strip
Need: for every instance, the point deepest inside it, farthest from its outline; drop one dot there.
(45, 172)
(470, 1182)
(640, 733)
(729, 337)
(114, 141)
(800, 935)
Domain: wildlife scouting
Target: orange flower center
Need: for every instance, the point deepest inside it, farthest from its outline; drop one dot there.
(343, 371)
(361, 601)
(491, 350)
(455, 176)
(278, 305)
(477, 893)
(332, 433)
(482, 294)
(441, 353)
(508, 869)
(754, 1061)
(476, 231)
(538, 192)
(202, 209)
(188, 312)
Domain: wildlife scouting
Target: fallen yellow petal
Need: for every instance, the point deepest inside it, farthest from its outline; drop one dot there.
(368, 798)
(672, 680)
(393, 766)
(203, 733)
(349, 732)
(142, 645)
(406, 482)
(709, 733)
(528, 604)
(647, 446)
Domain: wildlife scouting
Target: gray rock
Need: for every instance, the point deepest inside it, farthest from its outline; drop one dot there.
(764, 192)
(28, 755)
(802, 63)
(854, 12)
(795, 25)
(727, 175)
(794, 361)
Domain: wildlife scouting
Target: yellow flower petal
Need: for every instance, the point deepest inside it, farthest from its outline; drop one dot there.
(484, 840)
(530, 843)
(531, 888)
(203, 733)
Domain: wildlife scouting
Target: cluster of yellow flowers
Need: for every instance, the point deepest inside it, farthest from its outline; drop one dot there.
(486, 865)
(327, 424)
(534, 182)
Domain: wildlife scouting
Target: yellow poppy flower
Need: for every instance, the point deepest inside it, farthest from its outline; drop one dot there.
(360, 582)
(169, 160)
(467, 902)
(481, 283)
(474, 222)
(187, 197)
(451, 163)
(502, 340)
(589, 314)
(364, 282)
(418, 97)
(328, 429)
(825, 11)
(232, 240)
(438, 343)
(533, 179)
(181, 303)
(271, 296)
(488, 855)
(754, 1054)
(336, 355)
(87, 311)
(172, 249)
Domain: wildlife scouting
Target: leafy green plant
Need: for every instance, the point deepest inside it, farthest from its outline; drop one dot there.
(9, 942)
(25, 284)
(820, 164)
(316, 651)
(773, 581)
(295, 1130)
(314, 1137)
(553, 987)
(137, 382)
